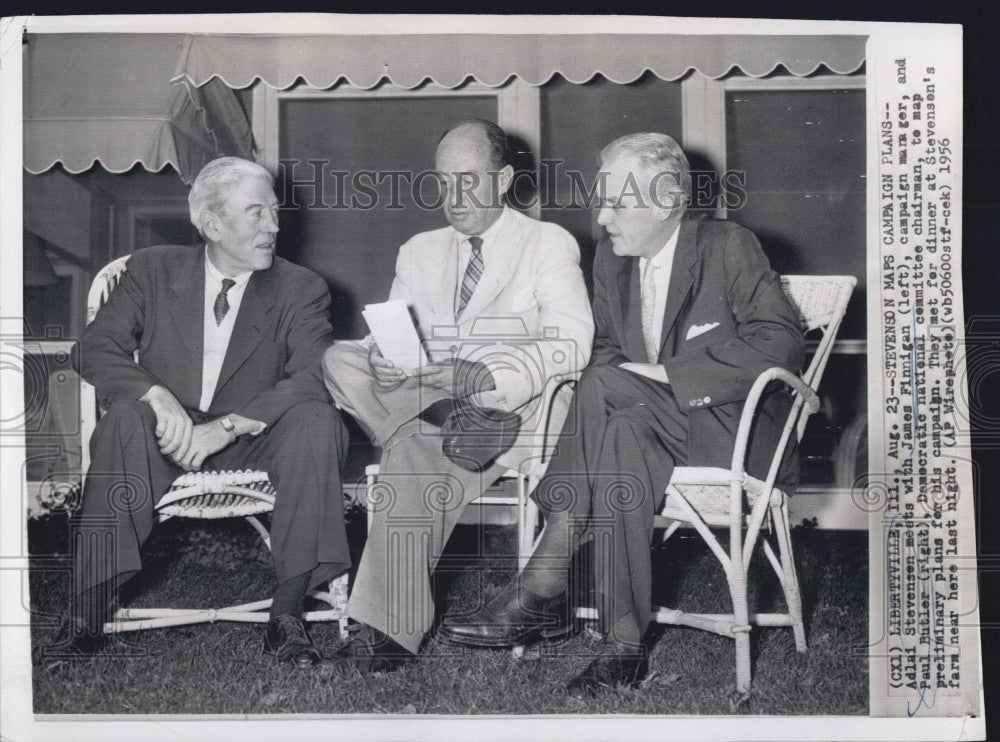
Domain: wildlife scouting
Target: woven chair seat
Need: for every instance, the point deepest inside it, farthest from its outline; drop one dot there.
(711, 501)
(219, 494)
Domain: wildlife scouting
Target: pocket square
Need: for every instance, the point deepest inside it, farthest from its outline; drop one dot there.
(696, 330)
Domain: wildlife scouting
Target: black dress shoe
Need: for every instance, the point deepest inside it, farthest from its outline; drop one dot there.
(515, 616)
(474, 437)
(618, 664)
(370, 651)
(75, 639)
(287, 639)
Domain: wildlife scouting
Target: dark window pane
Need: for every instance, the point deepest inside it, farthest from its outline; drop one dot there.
(803, 153)
(355, 248)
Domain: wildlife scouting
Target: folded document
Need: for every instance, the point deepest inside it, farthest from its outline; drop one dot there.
(393, 330)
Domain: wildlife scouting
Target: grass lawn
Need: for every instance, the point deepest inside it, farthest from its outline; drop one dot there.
(219, 669)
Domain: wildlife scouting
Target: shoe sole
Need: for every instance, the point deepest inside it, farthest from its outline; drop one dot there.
(528, 638)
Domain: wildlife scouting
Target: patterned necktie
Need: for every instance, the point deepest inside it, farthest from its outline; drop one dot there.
(473, 272)
(221, 301)
(648, 310)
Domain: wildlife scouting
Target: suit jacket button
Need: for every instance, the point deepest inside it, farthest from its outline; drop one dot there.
(708, 400)
(692, 402)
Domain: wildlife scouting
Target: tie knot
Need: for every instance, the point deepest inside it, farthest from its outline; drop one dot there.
(477, 242)
(227, 283)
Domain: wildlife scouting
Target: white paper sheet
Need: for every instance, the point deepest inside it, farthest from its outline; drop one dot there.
(393, 330)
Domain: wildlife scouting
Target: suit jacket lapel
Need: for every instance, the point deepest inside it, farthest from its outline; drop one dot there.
(447, 272)
(251, 322)
(505, 253)
(187, 310)
(681, 280)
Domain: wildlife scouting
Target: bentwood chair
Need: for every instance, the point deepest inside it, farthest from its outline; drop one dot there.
(707, 498)
(205, 495)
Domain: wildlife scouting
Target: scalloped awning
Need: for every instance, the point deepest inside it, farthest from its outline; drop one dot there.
(108, 98)
(451, 59)
(168, 99)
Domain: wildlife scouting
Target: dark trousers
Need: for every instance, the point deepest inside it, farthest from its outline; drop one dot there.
(302, 453)
(613, 461)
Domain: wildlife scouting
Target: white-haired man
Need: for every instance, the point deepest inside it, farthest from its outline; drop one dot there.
(688, 314)
(229, 340)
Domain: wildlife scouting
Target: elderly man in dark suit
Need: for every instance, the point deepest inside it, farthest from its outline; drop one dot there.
(228, 339)
(687, 315)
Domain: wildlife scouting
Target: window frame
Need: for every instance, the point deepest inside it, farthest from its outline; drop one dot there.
(518, 111)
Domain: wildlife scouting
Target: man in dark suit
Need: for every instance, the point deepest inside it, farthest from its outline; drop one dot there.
(687, 315)
(228, 340)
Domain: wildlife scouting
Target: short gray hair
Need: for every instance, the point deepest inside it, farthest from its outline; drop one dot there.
(215, 183)
(658, 154)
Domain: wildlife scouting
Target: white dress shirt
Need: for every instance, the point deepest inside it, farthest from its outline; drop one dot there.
(217, 336)
(662, 265)
(465, 252)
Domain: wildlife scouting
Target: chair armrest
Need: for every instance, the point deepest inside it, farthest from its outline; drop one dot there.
(806, 396)
(559, 384)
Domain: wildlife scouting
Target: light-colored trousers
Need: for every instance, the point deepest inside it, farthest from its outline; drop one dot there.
(417, 501)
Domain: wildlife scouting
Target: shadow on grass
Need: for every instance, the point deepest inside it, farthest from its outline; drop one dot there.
(219, 668)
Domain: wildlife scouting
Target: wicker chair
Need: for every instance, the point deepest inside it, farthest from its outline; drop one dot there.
(204, 495)
(710, 497)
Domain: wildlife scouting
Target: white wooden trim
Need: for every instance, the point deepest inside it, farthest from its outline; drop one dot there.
(77, 296)
(265, 126)
(819, 82)
(833, 508)
(850, 347)
(518, 112)
(703, 123)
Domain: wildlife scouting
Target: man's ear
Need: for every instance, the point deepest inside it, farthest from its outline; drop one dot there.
(210, 226)
(504, 179)
(672, 209)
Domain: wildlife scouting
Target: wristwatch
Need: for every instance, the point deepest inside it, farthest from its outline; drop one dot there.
(227, 424)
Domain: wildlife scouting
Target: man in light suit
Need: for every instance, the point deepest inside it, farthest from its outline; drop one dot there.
(688, 315)
(501, 303)
(229, 340)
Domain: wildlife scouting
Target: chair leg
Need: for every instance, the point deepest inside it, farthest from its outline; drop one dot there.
(790, 580)
(738, 593)
(736, 576)
(527, 521)
(261, 531)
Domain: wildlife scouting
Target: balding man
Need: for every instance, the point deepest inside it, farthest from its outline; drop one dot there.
(500, 300)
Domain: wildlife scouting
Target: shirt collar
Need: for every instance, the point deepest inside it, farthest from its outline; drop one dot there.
(213, 277)
(492, 230)
(664, 258)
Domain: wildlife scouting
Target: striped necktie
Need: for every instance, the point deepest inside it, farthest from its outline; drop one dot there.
(473, 272)
(222, 301)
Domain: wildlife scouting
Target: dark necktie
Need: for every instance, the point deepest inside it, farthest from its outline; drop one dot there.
(472, 272)
(221, 301)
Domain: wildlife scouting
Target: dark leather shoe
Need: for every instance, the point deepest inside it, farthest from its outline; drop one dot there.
(75, 639)
(515, 616)
(286, 638)
(618, 664)
(474, 437)
(370, 651)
